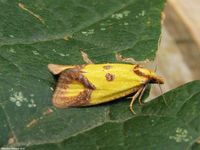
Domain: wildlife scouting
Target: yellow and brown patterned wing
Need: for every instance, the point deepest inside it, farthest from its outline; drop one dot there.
(73, 89)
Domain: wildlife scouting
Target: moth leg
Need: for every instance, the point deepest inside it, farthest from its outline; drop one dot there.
(120, 58)
(141, 94)
(134, 98)
(86, 58)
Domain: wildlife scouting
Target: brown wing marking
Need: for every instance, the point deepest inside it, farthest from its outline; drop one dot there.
(60, 99)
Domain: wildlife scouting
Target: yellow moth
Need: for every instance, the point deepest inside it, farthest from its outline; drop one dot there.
(92, 84)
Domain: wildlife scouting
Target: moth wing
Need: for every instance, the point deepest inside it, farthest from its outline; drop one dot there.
(112, 81)
(70, 91)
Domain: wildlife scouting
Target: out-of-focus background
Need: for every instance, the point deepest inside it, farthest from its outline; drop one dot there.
(178, 56)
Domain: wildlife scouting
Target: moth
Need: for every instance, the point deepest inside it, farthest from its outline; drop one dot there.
(92, 84)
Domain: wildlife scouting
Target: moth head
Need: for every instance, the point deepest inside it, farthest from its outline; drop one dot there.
(150, 75)
(154, 78)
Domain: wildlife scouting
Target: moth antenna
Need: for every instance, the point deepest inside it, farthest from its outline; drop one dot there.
(156, 66)
(165, 101)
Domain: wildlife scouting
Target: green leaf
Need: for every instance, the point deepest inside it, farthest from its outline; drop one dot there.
(171, 124)
(36, 33)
